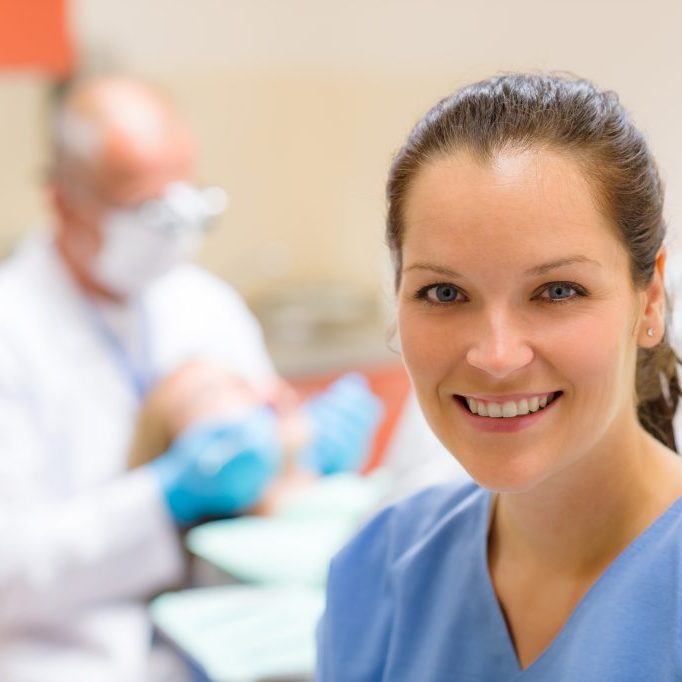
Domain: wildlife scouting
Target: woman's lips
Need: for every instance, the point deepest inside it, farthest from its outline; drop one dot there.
(508, 424)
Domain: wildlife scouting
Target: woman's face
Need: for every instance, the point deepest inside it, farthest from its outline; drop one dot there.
(516, 292)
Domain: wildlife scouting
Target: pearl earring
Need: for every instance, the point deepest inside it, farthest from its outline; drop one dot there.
(650, 331)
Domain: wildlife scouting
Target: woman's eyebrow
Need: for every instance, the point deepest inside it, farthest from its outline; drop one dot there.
(432, 267)
(535, 270)
(552, 265)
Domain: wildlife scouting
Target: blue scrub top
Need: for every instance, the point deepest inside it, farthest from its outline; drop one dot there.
(410, 598)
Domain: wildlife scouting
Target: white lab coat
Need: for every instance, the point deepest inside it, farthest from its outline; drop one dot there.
(82, 540)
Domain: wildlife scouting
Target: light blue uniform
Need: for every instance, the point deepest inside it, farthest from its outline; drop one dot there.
(410, 599)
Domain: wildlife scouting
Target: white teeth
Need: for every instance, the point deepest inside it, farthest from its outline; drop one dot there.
(494, 410)
(510, 408)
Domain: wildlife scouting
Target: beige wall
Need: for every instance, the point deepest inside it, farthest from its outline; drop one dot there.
(298, 106)
(22, 157)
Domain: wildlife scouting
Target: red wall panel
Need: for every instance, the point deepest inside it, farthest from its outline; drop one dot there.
(34, 35)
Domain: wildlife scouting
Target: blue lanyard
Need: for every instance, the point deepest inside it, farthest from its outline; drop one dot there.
(138, 376)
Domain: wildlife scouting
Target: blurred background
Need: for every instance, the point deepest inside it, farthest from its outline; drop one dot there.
(298, 107)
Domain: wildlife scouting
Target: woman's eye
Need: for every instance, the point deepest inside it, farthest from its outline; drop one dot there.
(560, 291)
(439, 293)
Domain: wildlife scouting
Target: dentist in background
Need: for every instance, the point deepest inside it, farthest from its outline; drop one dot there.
(93, 315)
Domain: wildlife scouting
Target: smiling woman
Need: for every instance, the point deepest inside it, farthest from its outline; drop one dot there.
(539, 303)
(525, 224)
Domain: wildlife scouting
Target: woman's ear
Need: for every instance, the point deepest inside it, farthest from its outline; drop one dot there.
(652, 324)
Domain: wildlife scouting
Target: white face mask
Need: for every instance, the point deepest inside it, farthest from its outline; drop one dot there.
(144, 242)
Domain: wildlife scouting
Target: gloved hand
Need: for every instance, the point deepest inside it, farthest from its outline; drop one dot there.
(219, 469)
(344, 419)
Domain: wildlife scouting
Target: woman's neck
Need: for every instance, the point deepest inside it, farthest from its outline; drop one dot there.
(578, 521)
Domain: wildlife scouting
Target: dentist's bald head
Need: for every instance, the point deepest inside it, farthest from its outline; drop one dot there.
(114, 130)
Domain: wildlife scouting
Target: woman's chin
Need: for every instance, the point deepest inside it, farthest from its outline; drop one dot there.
(514, 475)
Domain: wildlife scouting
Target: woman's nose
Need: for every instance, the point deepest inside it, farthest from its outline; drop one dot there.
(500, 348)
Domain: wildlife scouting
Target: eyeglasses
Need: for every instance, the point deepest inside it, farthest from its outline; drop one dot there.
(181, 207)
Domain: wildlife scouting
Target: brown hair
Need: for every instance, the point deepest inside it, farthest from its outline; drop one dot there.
(564, 113)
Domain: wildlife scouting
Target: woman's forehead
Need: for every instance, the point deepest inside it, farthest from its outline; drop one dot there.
(529, 205)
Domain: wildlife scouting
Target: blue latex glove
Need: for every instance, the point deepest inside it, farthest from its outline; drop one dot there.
(344, 420)
(219, 469)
